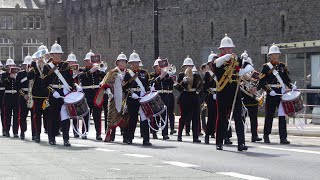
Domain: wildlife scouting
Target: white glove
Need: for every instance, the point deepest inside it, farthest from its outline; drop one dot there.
(185, 79)
(142, 94)
(94, 69)
(273, 93)
(79, 88)
(294, 87)
(214, 96)
(56, 95)
(246, 70)
(219, 61)
(135, 96)
(152, 89)
(109, 93)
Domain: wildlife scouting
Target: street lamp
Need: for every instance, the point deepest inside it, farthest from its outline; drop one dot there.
(156, 12)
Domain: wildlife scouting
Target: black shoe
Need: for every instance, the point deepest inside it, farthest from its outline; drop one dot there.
(187, 134)
(7, 134)
(129, 141)
(52, 141)
(165, 137)
(16, 136)
(4, 133)
(227, 141)
(173, 132)
(37, 140)
(66, 143)
(155, 136)
(84, 137)
(76, 136)
(266, 139)
(213, 136)
(196, 140)
(22, 136)
(33, 138)
(284, 141)
(147, 144)
(219, 147)
(255, 139)
(98, 138)
(206, 139)
(242, 147)
(179, 138)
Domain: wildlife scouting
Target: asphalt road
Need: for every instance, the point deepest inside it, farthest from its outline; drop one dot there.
(90, 159)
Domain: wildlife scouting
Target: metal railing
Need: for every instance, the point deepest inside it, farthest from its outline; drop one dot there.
(304, 114)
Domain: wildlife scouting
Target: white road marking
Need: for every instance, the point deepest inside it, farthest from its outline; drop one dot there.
(79, 145)
(138, 155)
(180, 164)
(292, 150)
(105, 150)
(242, 176)
(116, 169)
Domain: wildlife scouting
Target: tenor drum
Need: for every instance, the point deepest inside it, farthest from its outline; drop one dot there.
(76, 104)
(292, 102)
(152, 104)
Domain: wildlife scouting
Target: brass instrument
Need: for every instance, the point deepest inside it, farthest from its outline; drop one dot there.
(170, 69)
(188, 73)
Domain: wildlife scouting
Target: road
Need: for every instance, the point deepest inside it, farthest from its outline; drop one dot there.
(90, 159)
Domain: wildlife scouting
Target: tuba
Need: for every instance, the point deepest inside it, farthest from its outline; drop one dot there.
(188, 73)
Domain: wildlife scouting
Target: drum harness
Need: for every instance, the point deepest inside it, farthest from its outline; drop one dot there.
(142, 114)
(66, 85)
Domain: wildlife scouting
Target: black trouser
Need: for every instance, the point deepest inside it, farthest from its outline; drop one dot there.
(23, 113)
(133, 110)
(166, 100)
(212, 115)
(11, 106)
(1, 107)
(38, 112)
(189, 102)
(54, 119)
(225, 101)
(96, 113)
(271, 104)
(253, 115)
(170, 106)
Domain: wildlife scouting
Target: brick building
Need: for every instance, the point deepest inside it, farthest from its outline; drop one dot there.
(22, 28)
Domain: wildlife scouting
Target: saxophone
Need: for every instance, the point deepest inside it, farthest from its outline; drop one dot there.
(30, 99)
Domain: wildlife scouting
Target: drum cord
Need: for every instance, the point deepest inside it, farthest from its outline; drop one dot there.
(76, 129)
(165, 121)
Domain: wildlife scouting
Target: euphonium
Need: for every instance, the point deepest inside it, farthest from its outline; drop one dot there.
(188, 73)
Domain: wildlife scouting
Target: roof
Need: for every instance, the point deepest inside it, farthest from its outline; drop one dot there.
(26, 4)
(303, 44)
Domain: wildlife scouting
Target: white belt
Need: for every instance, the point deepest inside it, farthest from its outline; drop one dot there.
(25, 89)
(275, 85)
(10, 91)
(2, 88)
(91, 87)
(212, 90)
(60, 86)
(191, 90)
(135, 89)
(165, 91)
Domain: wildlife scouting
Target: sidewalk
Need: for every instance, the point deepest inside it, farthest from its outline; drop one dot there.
(297, 129)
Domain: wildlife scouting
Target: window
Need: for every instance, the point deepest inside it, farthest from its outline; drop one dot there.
(245, 31)
(38, 22)
(30, 46)
(9, 22)
(3, 22)
(6, 49)
(283, 24)
(31, 22)
(24, 22)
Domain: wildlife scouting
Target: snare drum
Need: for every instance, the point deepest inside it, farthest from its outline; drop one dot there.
(76, 104)
(292, 102)
(152, 104)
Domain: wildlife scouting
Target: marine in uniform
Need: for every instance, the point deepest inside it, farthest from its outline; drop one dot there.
(189, 85)
(274, 86)
(1, 98)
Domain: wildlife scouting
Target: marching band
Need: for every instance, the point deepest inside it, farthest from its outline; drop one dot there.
(57, 91)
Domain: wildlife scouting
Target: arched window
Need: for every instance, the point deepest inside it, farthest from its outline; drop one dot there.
(30, 46)
(6, 49)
